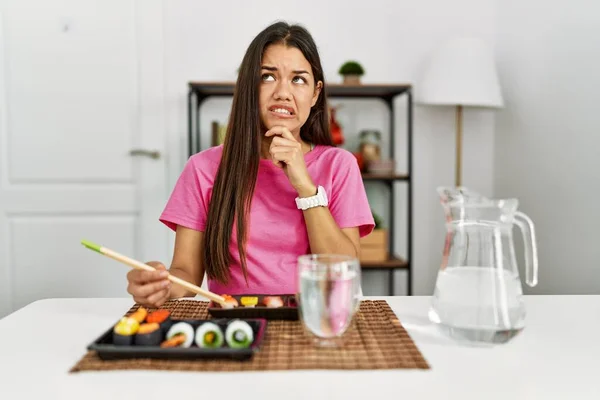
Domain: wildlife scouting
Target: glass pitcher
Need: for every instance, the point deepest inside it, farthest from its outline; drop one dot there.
(478, 296)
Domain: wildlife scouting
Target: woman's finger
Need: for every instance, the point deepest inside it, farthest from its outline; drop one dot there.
(285, 158)
(141, 277)
(283, 149)
(159, 297)
(151, 288)
(279, 141)
(280, 130)
(140, 300)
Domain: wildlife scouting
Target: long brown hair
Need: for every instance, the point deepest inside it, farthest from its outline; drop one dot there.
(236, 177)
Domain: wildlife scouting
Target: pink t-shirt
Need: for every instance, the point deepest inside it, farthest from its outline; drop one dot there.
(277, 232)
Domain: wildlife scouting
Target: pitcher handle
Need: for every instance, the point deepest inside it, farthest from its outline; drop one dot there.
(531, 253)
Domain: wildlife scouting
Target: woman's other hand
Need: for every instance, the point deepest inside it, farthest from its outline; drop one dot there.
(286, 152)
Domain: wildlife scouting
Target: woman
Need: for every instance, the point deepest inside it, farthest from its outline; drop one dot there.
(276, 189)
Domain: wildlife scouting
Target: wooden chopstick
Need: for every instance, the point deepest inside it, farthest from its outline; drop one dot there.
(145, 267)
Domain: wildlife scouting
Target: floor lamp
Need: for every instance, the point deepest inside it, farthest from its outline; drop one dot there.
(461, 73)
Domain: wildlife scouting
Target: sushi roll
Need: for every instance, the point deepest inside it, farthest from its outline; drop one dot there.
(249, 301)
(273, 301)
(230, 302)
(124, 331)
(209, 335)
(180, 334)
(239, 334)
(148, 334)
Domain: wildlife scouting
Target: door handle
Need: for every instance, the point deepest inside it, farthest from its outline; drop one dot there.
(154, 154)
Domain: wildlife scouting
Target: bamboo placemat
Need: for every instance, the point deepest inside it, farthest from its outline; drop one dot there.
(376, 340)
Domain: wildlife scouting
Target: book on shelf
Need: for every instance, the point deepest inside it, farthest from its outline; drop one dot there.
(218, 133)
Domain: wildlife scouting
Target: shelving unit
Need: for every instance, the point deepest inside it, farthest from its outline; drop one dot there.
(200, 91)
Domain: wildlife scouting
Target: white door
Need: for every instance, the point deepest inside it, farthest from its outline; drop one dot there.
(81, 86)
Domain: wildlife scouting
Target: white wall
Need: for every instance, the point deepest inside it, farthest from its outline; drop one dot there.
(206, 41)
(547, 147)
(200, 40)
(548, 57)
(80, 86)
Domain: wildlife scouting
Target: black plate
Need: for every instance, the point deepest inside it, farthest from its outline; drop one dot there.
(108, 351)
(288, 312)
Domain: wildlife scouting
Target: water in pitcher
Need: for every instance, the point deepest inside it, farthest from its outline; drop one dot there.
(478, 304)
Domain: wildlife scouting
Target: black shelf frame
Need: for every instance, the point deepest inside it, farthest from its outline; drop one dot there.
(198, 92)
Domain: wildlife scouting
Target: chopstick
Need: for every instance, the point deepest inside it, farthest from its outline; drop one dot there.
(141, 266)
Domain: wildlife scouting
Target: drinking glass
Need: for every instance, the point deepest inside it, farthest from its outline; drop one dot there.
(328, 295)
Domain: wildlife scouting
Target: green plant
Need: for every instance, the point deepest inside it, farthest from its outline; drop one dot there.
(378, 220)
(351, 68)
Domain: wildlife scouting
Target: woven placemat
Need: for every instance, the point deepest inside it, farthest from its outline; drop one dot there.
(376, 340)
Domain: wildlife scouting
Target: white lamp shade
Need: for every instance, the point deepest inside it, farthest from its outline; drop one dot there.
(461, 72)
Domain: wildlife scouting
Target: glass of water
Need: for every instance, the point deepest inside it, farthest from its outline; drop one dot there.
(328, 295)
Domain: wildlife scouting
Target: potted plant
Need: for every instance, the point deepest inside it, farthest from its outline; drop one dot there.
(378, 221)
(374, 247)
(351, 71)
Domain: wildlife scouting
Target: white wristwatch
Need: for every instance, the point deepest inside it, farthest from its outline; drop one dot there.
(320, 199)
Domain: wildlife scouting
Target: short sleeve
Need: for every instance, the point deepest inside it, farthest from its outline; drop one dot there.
(187, 205)
(348, 201)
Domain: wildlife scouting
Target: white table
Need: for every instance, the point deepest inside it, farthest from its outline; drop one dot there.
(556, 357)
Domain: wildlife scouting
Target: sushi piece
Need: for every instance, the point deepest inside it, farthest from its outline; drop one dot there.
(139, 315)
(292, 302)
(124, 331)
(239, 334)
(180, 334)
(209, 335)
(148, 334)
(158, 316)
(230, 302)
(273, 301)
(249, 301)
(161, 317)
